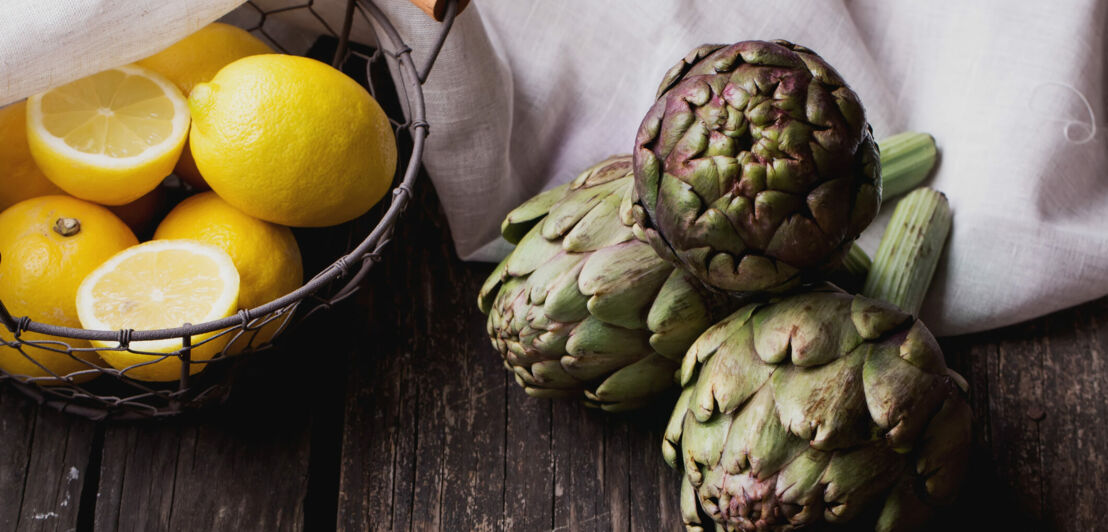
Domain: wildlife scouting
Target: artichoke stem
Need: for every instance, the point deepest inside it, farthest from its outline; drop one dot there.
(910, 249)
(851, 273)
(856, 262)
(906, 160)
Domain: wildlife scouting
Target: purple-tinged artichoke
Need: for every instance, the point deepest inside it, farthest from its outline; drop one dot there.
(581, 309)
(755, 169)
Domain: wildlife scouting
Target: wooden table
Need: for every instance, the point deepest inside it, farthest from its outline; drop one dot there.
(393, 412)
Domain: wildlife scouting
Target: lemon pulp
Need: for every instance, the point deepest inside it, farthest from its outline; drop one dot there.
(158, 285)
(111, 137)
(115, 114)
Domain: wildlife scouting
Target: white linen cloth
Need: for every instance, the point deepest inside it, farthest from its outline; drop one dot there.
(527, 93)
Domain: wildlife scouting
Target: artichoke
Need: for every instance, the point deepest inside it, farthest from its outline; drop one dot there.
(755, 169)
(582, 309)
(825, 406)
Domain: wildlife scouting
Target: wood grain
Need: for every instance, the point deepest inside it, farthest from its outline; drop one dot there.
(17, 417)
(1039, 395)
(245, 466)
(528, 460)
(43, 463)
(424, 437)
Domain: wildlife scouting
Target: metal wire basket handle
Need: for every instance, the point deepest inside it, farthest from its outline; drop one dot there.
(353, 266)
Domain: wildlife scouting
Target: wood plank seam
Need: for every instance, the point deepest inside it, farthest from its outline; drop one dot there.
(173, 482)
(27, 468)
(1038, 427)
(90, 487)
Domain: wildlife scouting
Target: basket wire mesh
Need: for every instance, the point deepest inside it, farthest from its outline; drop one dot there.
(100, 391)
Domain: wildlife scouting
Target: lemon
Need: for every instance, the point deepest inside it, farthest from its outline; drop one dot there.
(266, 255)
(196, 59)
(47, 245)
(159, 285)
(291, 140)
(111, 137)
(20, 177)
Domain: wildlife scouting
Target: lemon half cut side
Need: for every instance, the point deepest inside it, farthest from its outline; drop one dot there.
(111, 137)
(161, 284)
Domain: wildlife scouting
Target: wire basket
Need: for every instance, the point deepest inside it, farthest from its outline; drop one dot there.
(98, 391)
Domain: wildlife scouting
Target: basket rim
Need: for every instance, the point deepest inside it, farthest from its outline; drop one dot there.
(411, 81)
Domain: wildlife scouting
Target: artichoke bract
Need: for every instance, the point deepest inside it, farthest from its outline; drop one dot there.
(581, 308)
(825, 406)
(755, 169)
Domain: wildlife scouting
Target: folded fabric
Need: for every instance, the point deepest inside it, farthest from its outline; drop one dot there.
(1012, 91)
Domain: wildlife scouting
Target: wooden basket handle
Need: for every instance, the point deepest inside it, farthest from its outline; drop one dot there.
(437, 8)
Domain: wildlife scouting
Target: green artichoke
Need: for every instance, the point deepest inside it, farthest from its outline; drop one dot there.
(817, 407)
(581, 309)
(825, 406)
(755, 169)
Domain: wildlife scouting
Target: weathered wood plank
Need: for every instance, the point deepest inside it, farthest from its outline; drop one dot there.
(653, 485)
(377, 432)
(617, 472)
(438, 436)
(1015, 386)
(580, 502)
(528, 460)
(44, 458)
(1073, 435)
(472, 411)
(137, 473)
(263, 476)
(17, 421)
(60, 453)
(244, 466)
(989, 498)
(424, 438)
(1040, 395)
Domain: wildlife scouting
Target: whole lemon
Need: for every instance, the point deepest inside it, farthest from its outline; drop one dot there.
(291, 140)
(47, 246)
(196, 59)
(265, 254)
(20, 177)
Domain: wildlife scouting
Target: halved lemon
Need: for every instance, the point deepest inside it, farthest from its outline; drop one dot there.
(160, 285)
(109, 138)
